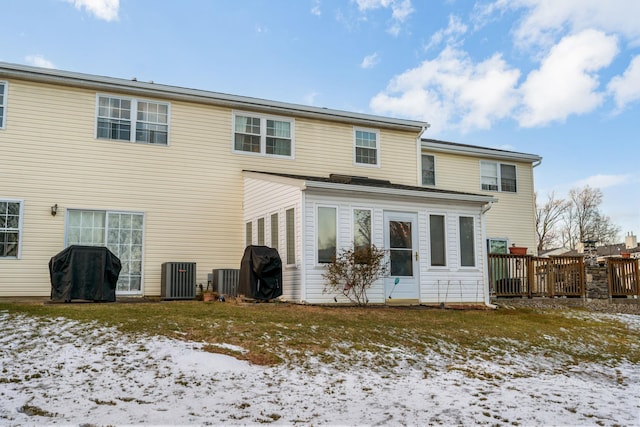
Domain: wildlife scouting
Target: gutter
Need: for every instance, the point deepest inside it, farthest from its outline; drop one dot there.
(151, 89)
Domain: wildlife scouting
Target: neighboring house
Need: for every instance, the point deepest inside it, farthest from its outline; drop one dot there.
(505, 175)
(159, 173)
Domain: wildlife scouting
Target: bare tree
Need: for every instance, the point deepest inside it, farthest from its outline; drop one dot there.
(548, 216)
(583, 219)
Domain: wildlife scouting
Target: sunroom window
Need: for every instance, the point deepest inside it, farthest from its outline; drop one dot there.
(129, 119)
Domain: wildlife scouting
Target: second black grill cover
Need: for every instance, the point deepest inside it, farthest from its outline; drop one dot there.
(260, 273)
(84, 272)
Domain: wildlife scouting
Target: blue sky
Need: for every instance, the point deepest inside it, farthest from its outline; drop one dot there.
(560, 79)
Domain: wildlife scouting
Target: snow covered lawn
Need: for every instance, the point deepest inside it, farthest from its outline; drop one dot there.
(59, 371)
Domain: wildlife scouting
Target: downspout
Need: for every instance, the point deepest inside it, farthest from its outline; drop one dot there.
(419, 152)
(487, 298)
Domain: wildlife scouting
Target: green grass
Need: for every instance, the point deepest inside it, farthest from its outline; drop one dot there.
(279, 333)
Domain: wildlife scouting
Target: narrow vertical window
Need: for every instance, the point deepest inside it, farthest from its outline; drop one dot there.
(467, 252)
(361, 228)
(437, 240)
(248, 232)
(508, 178)
(261, 231)
(3, 102)
(327, 233)
(274, 231)
(428, 170)
(290, 225)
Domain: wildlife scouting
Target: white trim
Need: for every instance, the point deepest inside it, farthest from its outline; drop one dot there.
(3, 105)
(378, 147)
(133, 119)
(263, 134)
(20, 224)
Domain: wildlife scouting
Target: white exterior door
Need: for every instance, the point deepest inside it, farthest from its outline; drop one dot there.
(401, 241)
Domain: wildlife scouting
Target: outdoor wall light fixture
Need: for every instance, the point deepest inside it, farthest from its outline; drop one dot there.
(54, 210)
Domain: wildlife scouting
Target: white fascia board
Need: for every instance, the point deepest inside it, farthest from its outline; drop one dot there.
(150, 89)
(397, 192)
(431, 146)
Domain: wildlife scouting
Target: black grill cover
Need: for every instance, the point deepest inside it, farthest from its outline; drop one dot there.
(260, 273)
(84, 272)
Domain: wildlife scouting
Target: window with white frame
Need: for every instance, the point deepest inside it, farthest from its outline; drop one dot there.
(248, 233)
(134, 120)
(261, 231)
(428, 170)
(120, 232)
(467, 245)
(327, 234)
(3, 103)
(361, 228)
(10, 228)
(274, 231)
(496, 176)
(437, 240)
(367, 147)
(290, 229)
(260, 134)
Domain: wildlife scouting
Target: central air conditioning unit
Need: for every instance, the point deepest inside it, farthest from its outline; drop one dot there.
(225, 281)
(178, 280)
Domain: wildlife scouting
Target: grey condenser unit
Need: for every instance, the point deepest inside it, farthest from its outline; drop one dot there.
(225, 281)
(178, 280)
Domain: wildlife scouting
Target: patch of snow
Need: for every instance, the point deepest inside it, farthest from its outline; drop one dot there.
(75, 373)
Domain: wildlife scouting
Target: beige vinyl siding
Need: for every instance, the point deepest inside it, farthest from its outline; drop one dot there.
(513, 216)
(190, 191)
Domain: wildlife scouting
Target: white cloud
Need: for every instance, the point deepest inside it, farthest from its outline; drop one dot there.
(310, 98)
(449, 35)
(603, 181)
(626, 88)
(566, 82)
(39, 61)
(315, 10)
(452, 91)
(102, 9)
(400, 11)
(370, 61)
(546, 20)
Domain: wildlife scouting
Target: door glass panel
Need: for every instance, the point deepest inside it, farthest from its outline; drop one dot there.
(400, 248)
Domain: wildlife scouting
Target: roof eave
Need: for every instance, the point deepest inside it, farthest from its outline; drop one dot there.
(149, 89)
(480, 152)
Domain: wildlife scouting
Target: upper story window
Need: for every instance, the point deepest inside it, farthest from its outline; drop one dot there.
(367, 147)
(134, 120)
(428, 170)
(255, 133)
(496, 176)
(3, 103)
(10, 228)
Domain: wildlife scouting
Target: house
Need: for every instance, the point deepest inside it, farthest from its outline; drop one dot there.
(167, 174)
(505, 175)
